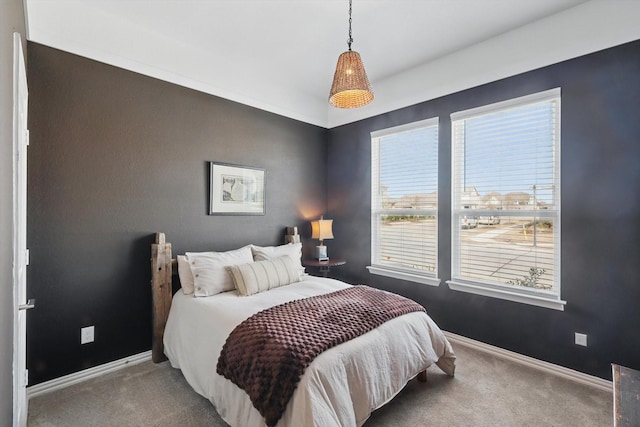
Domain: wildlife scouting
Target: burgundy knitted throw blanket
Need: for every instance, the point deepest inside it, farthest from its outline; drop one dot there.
(267, 354)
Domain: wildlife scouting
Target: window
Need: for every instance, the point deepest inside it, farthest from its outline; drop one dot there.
(404, 205)
(506, 200)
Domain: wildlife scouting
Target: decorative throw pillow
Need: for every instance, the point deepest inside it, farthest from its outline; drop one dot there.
(185, 275)
(261, 276)
(210, 276)
(294, 250)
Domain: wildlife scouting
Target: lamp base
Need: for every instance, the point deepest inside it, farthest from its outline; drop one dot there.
(321, 253)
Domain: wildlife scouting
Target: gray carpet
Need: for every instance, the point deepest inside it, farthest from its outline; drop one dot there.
(486, 391)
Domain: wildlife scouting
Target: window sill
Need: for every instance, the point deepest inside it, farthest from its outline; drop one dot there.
(403, 275)
(538, 300)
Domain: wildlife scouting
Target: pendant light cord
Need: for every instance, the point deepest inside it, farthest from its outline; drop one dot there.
(350, 40)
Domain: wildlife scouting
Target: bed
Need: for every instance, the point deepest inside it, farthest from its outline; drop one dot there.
(340, 387)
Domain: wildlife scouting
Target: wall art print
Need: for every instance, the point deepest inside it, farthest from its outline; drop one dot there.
(236, 190)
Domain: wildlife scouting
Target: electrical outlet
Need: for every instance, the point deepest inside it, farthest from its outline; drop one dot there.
(86, 335)
(581, 339)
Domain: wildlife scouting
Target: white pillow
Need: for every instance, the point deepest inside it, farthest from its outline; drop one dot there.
(185, 275)
(294, 250)
(261, 276)
(210, 276)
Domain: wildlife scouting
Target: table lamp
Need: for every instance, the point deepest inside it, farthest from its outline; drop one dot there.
(321, 230)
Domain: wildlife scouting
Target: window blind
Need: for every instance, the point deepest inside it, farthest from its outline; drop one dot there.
(506, 194)
(405, 198)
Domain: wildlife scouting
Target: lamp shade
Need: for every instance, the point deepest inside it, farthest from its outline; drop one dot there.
(350, 88)
(322, 229)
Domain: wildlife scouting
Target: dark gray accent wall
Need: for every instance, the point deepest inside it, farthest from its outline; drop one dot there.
(116, 156)
(600, 182)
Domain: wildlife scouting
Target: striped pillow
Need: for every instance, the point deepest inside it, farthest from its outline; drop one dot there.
(261, 276)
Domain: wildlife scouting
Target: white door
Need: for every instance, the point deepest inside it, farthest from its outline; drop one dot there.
(20, 254)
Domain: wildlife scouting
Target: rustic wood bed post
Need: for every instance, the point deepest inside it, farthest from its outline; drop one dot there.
(161, 272)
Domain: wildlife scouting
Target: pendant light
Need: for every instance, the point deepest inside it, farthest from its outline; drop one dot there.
(350, 88)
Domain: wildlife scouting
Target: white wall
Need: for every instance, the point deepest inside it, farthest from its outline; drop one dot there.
(11, 20)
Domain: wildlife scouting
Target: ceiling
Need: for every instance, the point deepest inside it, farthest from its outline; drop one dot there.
(280, 55)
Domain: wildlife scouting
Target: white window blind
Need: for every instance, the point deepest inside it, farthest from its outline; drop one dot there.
(404, 208)
(506, 200)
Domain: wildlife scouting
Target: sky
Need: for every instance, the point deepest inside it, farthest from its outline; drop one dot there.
(504, 152)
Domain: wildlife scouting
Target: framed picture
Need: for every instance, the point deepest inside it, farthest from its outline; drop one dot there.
(236, 190)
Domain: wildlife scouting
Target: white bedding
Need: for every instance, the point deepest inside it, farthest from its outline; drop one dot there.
(341, 387)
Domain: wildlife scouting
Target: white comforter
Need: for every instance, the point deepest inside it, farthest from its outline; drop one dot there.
(341, 387)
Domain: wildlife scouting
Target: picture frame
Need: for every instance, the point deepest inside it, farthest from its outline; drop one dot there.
(236, 190)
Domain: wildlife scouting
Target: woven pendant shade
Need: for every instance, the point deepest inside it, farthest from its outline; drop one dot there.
(350, 88)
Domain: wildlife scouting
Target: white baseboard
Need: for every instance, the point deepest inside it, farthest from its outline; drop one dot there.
(560, 371)
(541, 365)
(77, 377)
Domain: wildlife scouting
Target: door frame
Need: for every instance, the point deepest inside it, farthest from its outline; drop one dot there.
(20, 253)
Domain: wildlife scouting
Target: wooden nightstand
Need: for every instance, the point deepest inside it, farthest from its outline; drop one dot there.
(324, 266)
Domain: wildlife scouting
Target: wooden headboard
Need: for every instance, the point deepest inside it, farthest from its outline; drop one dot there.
(163, 268)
